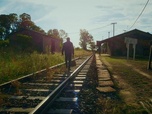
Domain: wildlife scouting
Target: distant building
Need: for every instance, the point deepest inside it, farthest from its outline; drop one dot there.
(116, 46)
(41, 42)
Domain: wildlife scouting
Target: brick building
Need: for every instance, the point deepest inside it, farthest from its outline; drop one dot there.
(40, 41)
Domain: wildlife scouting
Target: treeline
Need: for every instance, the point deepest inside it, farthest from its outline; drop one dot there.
(12, 23)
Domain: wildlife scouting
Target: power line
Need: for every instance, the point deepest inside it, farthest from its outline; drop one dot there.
(91, 29)
(140, 14)
(99, 27)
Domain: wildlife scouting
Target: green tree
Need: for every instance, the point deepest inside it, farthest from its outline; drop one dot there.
(63, 34)
(25, 22)
(8, 24)
(2, 32)
(55, 33)
(85, 39)
(12, 23)
(4, 43)
(92, 45)
(23, 42)
(38, 29)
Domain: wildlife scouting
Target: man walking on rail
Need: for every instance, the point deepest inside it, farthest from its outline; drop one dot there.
(68, 50)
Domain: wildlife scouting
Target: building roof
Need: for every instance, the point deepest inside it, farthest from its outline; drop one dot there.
(138, 34)
(36, 32)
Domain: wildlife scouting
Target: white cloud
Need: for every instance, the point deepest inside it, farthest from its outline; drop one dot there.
(73, 15)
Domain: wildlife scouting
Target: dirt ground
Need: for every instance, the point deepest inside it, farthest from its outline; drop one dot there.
(131, 94)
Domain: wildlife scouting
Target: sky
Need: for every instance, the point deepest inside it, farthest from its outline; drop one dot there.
(95, 16)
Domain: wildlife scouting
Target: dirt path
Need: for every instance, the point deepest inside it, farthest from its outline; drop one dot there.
(126, 91)
(139, 71)
(133, 82)
(130, 92)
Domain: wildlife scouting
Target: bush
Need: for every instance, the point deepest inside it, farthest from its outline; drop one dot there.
(4, 43)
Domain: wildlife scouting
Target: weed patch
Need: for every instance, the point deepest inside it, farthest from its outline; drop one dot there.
(14, 64)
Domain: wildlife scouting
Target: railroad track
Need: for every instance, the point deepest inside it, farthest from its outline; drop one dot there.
(42, 92)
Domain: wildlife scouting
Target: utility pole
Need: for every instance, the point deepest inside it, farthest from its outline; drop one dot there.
(113, 28)
(108, 34)
(124, 31)
(150, 56)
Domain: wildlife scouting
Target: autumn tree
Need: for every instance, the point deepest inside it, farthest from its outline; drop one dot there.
(85, 39)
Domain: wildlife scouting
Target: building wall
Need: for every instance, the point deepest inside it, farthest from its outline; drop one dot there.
(41, 42)
(116, 45)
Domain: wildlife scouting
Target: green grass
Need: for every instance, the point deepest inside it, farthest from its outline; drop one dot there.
(126, 69)
(16, 64)
(109, 106)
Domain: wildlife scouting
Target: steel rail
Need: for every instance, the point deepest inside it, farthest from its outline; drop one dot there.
(42, 107)
(31, 74)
